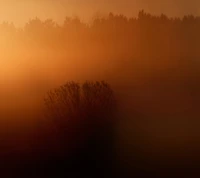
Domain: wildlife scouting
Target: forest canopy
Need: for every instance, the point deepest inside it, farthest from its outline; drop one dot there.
(144, 36)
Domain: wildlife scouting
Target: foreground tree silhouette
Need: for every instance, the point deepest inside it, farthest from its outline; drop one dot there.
(83, 115)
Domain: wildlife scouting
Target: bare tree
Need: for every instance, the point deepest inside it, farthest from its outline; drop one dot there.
(82, 108)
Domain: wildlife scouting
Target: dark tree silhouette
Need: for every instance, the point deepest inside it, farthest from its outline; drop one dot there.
(93, 101)
(83, 115)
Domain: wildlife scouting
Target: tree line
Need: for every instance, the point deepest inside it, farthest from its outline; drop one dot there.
(143, 36)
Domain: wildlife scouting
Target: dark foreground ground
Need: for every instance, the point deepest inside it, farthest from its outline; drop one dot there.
(93, 159)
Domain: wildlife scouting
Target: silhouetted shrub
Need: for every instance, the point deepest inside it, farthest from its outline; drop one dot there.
(80, 108)
(83, 115)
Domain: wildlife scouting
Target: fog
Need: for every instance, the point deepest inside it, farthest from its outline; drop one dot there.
(151, 63)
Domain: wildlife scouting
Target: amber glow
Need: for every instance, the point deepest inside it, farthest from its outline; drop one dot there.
(149, 59)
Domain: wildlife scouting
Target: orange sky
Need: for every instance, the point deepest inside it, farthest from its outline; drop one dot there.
(19, 11)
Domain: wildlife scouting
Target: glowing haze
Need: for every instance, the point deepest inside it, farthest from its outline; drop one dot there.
(151, 62)
(21, 11)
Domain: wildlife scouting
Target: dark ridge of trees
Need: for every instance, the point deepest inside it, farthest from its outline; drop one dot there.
(145, 36)
(84, 117)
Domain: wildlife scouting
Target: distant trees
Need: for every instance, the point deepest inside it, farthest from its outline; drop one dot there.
(115, 35)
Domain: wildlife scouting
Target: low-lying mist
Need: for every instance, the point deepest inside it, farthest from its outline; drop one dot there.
(151, 63)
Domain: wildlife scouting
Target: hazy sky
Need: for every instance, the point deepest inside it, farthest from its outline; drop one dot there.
(19, 11)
